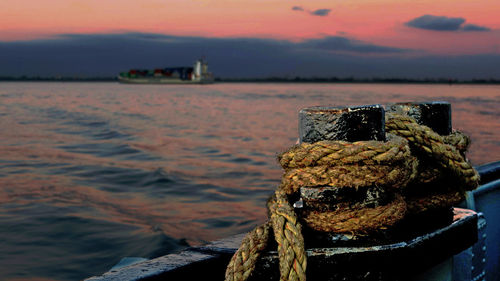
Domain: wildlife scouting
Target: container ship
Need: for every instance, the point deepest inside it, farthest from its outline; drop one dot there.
(197, 74)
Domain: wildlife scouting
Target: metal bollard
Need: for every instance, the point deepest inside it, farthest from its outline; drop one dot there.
(355, 123)
(435, 115)
(340, 257)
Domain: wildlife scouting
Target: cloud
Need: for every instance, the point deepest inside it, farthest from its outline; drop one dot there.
(344, 44)
(473, 27)
(442, 23)
(318, 12)
(321, 12)
(91, 55)
(438, 23)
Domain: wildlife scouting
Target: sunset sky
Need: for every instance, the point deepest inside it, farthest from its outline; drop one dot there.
(362, 38)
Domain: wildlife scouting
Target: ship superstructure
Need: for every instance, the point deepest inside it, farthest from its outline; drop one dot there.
(197, 74)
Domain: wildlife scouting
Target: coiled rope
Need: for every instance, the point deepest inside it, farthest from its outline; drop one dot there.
(426, 141)
(392, 165)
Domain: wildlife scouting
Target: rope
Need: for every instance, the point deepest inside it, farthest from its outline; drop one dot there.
(243, 261)
(425, 141)
(458, 140)
(288, 235)
(334, 153)
(390, 165)
(357, 220)
(419, 204)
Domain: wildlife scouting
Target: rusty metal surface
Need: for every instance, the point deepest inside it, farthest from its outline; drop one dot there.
(342, 123)
(210, 259)
(369, 196)
(224, 246)
(155, 268)
(436, 115)
(394, 261)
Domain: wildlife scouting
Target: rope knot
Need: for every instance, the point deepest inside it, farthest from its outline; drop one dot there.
(376, 184)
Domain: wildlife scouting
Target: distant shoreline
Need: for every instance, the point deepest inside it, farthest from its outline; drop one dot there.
(332, 80)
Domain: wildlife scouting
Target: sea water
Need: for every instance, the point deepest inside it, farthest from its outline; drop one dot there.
(93, 172)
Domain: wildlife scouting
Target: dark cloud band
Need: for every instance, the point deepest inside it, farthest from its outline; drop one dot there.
(344, 44)
(318, 12)
(442, 23)
(321, 12)
(94, 55)
(473, 27)
(438, 23)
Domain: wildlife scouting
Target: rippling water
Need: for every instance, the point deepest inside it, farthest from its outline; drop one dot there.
(93, 172)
